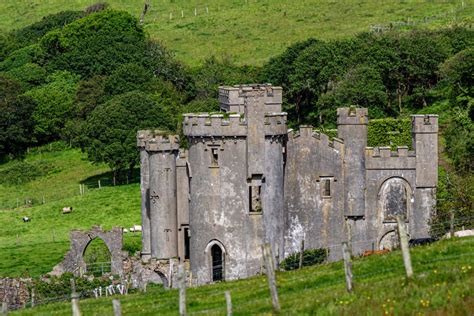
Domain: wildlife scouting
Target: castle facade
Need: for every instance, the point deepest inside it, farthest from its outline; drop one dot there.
(245, 180)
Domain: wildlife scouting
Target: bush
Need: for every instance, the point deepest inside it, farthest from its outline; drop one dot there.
(311, 257)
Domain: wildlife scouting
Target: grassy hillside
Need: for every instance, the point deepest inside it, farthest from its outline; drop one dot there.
(443, 283)
(35, 247)
(252, 31)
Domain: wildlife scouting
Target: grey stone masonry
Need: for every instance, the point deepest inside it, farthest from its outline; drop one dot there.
(245, 180)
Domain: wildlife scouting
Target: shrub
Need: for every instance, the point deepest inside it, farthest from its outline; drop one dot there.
(311, 257)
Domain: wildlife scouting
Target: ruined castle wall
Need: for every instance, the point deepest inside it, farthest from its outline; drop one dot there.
(311, 214)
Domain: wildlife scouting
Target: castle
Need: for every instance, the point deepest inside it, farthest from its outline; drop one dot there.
(246, 179)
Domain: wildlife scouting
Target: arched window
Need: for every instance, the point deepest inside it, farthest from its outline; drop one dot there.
(394, 198)
(217, 259)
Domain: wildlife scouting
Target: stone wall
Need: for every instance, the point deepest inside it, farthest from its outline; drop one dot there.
(14, 291)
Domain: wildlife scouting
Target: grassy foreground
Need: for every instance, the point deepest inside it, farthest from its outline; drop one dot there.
(252, 31)
(443, 283)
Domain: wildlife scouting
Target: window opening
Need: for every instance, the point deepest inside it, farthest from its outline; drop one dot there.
(215, 156)
(326, 187)
(186, 243)
(217, 263)
(255, 201)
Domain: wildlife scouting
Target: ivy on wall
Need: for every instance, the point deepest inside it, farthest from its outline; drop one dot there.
(389, 132)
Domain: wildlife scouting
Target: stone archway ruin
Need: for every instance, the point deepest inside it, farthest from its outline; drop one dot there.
(74, 258)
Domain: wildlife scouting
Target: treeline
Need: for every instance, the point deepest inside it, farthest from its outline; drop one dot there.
(93, 77)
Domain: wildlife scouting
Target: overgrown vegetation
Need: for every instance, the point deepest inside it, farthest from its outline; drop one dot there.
(311, 257)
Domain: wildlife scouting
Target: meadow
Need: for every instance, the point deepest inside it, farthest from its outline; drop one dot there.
(33, 248)
(252, 31)
(443, 282)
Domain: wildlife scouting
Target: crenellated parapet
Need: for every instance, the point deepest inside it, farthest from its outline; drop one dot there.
(157, 141)
(306, 133)
(219, 125)
(385, 158)
(232, 99)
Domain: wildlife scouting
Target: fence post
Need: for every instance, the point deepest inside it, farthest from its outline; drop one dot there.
(346, 254)
(301, 254)
(269, 269)
(182, 289)
(228, 301)
(402, 234)
(17, 202)
(451, 224)
(80, 189)
(4, 308)
(98, 181)
(195, 11)
(32, 297)
(74, 300)
(117, 308)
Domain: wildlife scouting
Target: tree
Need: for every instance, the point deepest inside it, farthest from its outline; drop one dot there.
(128, 77)
(33, 32)
(361, 86)
(16, 123)
(459, 136)
(54, 104)
(96, 44)
(29, 75)
(109, 134)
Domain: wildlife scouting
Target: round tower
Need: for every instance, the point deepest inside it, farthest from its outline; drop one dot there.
(162, 153)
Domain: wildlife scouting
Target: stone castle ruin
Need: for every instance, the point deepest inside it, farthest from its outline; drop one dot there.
(245, 180)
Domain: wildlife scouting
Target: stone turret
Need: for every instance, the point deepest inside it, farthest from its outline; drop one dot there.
(163, 150)
(142, 138)
(232, 99)
(352, 128)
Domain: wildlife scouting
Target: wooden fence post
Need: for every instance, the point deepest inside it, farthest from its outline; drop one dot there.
(182, 289)
(228, 301)
(32, 297)
(451, 224)
(117, 307)
(269, 269)
(4, 308)
(346, 254)
(74, 300)
(402, 234)
(301, 254)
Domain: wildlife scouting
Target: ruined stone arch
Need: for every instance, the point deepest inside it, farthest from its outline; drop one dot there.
(394, 198)
(163, 277)
(80, 240)
(216, 258)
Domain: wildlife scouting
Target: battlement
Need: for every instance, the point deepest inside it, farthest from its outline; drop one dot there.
(157, 140)
(196, 125)
(306, 131)
(385, 158)
(424, 124)
(231, 98)
(352, 116)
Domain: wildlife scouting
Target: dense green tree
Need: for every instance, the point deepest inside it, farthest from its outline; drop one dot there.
(96, 44)
(128, 77)
(459, 136)
(33, 32)
(109, 134)
(89, 94)
(16, 123)
(361, 86)
(29, 75)
(7, 45)
(20, 57)
(54, 104)
(214, 73)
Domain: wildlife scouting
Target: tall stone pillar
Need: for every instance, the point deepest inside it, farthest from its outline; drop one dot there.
(163, 151)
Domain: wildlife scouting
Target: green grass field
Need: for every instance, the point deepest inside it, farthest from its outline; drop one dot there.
(34, 248)
(443, 283)
(252, 31)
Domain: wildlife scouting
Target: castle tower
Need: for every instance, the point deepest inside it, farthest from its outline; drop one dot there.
(236, 187)
(352, 128)
(425, 144)
(163, 151)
